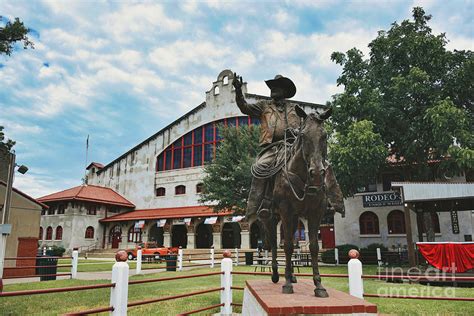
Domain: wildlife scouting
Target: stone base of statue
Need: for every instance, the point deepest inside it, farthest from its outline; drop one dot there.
(262, 297)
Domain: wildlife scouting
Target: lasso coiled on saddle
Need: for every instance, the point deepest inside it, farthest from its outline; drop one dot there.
(284, 151)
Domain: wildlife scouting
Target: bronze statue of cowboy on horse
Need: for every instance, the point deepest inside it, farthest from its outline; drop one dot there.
(291, 176)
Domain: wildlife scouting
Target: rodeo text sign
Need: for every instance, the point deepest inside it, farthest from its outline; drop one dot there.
(381, 199)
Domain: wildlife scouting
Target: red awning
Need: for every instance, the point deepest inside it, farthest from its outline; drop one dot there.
(455, 257)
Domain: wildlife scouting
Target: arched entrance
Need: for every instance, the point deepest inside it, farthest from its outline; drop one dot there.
(179, 236)
(231, 235)
(256, 235)
(156, 235)
(115, 236)
(203, 236)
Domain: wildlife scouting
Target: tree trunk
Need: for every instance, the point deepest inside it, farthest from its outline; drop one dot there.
(428, 224)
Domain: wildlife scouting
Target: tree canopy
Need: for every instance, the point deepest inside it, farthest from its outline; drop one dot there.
(11, 33)
(410, 100)
(227, 179)
(5, 142)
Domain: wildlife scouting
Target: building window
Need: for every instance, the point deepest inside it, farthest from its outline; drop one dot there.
(434, 221)
(180, 189)
(396, 222)
(92, 209)
(225, 80)
(51, 210)
(43, 211)
(134, 234)
(112, 209)
(198, 146)
(59, 233)
(388, 178)
(41, 233)
(369, 223)
(161, 191)
(61, 208)
(216, 90)
(49, 233)
(369, 187)
(89, 232)
(199, 187)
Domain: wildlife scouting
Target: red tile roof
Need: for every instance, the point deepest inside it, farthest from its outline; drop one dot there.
(169, 212)
(90, 193)
(98, 165)
(26, 196)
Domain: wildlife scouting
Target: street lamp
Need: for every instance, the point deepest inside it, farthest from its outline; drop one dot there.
(5, 228)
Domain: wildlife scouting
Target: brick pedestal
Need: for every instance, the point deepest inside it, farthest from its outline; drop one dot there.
(262, 297)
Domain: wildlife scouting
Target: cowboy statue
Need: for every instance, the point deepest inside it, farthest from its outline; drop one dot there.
(280, 120)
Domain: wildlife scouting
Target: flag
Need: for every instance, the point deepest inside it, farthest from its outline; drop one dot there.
(87, 142)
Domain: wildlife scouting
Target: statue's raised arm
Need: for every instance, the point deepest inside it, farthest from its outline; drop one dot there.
(253, 110)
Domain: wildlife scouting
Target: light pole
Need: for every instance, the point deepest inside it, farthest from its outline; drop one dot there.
(5, 228)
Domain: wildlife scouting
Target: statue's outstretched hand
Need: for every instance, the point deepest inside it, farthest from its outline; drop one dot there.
(237, 82)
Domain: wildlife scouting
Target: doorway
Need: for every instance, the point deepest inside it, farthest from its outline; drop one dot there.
(115, 236)
(179, 236)
(156, 234)
(231, 235)
(203, 236)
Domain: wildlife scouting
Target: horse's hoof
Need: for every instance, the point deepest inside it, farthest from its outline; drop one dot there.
(275, 278)
(287, 289)
(293, 279)
(321, 293)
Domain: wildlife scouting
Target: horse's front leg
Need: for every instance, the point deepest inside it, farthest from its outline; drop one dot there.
(313, 226)
(271, 237)
(288, 245)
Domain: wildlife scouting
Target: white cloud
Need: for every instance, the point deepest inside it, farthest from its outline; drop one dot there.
(178, 55)
(144, 20)
(37, 184)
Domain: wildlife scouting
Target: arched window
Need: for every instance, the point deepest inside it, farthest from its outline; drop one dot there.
(434, 221)
(49, 233)
(216, 90)
(180, 189)
(160, 191)
(369, 223)
(198, 146)
(396, 222)
(59, 233)
(134, 234)
(225, 80)
(41, 233)
(199, 187)
(89, 232)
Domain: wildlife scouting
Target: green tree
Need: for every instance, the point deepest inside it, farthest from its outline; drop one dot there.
(411, 95)
(11, 33)
(227, 179)
(5, 142)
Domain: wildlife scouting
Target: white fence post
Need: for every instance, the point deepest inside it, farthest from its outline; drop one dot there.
(119, 293)
(75, 260)
(354, 269)
(226, 283)
(336, 256)
(180, 259)
(212, 257)
(139, 260)
(236, 256)
(379, 257)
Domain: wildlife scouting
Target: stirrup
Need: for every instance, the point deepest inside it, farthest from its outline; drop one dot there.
(264, 213)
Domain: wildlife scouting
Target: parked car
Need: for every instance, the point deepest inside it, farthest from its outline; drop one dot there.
(151, 250)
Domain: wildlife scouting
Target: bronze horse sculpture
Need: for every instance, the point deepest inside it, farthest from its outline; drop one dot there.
(300, 190)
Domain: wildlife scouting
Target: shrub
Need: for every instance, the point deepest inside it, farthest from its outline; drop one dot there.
(56, 251)
(328, 256)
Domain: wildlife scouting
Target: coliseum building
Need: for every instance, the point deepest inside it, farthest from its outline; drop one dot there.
(151, 193)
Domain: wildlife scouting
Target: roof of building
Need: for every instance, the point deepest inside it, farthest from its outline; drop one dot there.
(26, 196)
(90, 193)
(425, 191)
(98, 165)
(165, 213)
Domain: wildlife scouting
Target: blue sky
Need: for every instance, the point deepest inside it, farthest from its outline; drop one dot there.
(120, 71)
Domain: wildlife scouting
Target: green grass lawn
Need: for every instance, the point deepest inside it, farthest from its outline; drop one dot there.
(53, 304)
(91, 265)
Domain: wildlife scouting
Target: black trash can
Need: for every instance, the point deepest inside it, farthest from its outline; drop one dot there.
(171, 262)
(249, 258)
(47, 266)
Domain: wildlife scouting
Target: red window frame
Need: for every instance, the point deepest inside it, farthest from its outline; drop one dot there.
(369, 223)
(170, 152)
(49, 233)
(396, 222)
(89, 232)
(59, 233)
